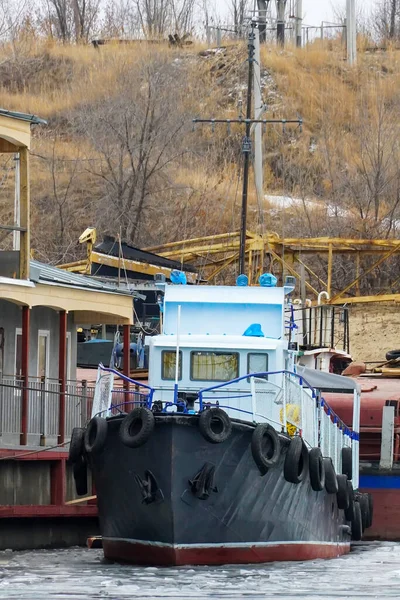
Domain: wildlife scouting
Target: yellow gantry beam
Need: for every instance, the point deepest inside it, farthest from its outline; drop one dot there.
(286, 252)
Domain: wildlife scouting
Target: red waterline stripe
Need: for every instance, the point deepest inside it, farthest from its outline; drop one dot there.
(142, 553)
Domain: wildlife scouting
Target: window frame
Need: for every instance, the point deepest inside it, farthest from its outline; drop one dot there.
(68, 352)
(46, 334)
(249, 354)
(193, 352)
(18, 331)
(179, 369)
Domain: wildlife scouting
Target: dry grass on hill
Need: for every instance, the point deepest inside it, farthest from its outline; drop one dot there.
(86, 169)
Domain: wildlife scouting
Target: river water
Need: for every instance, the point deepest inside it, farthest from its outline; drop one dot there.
(370, 571)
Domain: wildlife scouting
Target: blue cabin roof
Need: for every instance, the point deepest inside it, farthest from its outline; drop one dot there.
(224, 310)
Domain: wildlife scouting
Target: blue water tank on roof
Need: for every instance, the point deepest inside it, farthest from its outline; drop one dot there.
(268, 280)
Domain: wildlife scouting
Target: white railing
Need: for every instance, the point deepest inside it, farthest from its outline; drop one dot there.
(43, 409)
(286, 401)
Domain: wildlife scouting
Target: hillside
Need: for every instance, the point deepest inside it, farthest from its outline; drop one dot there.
(119, 151)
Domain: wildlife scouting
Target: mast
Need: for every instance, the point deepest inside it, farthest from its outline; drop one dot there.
(246, 148)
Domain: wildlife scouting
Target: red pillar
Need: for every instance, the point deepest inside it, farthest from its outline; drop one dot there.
(62, 374)
(127, 354)
(25, 374)
(57, 482)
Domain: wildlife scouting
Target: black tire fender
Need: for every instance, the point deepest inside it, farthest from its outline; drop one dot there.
(371, 509)
(80, 477)
(331, 484)
(296, 461)
(137, 427)
(265, 447)
(347, 462)
(342, 493)
(392, 354)
(364, 507)
(95, 435)
(349, 511)
(76, 445)
(215, 425)
(317, 469)
(356, 525)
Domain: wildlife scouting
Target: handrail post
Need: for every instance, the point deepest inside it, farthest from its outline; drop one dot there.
(253, 397)
(302, 419)
(284, 403)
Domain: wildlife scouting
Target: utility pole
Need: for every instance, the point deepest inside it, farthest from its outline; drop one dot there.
(299, 22)
(246, 148)
(280, 26)
(258, 109)
(246, 142)
(351, 32)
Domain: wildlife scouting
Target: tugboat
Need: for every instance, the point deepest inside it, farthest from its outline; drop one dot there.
(230, 454)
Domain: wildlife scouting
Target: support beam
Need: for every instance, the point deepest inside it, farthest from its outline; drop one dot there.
(386, 460)
(24, 197)
(376, 264)
(127, 354)
(330, 261)
(280, 25)
(57, 482)
(299, 22)
(62, 373)
(25, 375)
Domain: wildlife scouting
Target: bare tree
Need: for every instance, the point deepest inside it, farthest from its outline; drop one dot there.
(138, 136)
(386, 19)
(238, 10)
(72, 19)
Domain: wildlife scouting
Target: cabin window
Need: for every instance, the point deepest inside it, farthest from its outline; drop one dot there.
(168, 365)
(214, 366)
(257, 363)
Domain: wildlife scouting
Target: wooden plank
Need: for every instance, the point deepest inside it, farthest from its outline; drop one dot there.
(80, 500)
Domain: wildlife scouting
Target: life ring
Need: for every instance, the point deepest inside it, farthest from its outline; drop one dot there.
(342, 493)
(293, 417)
(317, 470)
(265, 447)
(347, 462)
(137, 427)
(76, 445)
(356, 524)
(95, 435)
(331, 484)
(392, 354)
(296, 461)
(215, 425)
(80, 477)
(349, 511)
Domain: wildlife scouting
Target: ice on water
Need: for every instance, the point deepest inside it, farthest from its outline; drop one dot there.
(370, 571)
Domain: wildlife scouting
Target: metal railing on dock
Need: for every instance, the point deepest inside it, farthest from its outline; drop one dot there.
(43, 409)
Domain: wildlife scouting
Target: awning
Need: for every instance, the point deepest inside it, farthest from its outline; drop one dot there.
(328, 382)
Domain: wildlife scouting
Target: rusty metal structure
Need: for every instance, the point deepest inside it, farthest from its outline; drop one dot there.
(214, 254)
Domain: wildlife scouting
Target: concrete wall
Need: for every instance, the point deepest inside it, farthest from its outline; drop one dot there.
(35, 532)
(24, 482)
(40, 318)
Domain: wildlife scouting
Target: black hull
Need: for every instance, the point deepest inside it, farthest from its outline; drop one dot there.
(247, 518)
